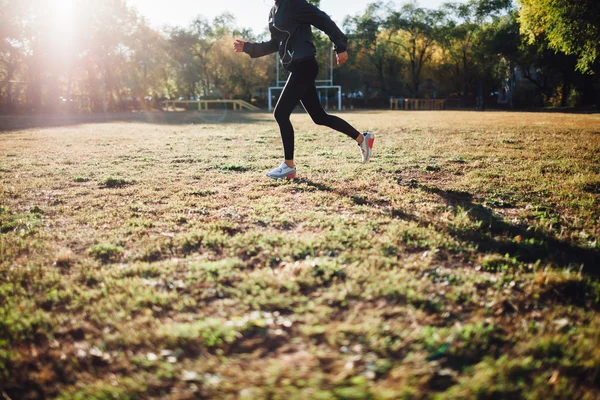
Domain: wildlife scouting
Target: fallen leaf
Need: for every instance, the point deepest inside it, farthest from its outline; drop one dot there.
(561, 323)
(166, 353)
(553, 378)
(189, 376)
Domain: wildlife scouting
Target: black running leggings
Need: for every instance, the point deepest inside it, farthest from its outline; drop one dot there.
(300, 86)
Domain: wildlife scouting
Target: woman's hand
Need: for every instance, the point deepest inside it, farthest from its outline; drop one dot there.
(341, 57)
(238, 46)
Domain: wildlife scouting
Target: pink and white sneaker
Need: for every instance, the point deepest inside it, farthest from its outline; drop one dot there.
(282, 172)
(366, 147)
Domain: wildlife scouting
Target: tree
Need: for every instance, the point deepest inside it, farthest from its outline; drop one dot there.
(572, 27)
(374, 47)
(420, 27)
(235, 76)
(463, 37)
(105, 29)
(11, 48)
(551, 73)
(457, 38)
(146, 60)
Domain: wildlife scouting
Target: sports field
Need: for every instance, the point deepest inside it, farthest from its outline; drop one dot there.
(149, 257)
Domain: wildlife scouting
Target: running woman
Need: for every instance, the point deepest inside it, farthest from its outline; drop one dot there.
(290, 27)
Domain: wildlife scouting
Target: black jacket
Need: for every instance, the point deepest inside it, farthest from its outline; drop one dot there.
(291, 35)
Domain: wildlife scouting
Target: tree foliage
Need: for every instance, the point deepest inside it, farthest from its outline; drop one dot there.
(110, 55)
(106, 54)
(419, 28)
(572, 27)
(376, 52)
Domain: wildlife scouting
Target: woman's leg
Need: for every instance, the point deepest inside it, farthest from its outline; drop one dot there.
(294, 88)
(312, 105)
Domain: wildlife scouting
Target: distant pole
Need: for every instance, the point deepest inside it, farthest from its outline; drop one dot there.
(331, 65)
(270, 101)
(330, 75)
(277, 65)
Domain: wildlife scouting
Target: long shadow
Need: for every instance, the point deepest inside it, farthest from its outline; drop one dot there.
(495, 234)
(355, 197)
(499, 236)
(317, 185)
(19, 122)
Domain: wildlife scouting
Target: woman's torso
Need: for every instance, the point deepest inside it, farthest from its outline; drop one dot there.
(294, 38)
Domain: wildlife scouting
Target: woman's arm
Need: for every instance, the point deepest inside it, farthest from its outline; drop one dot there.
(260, 49)
(306, 13)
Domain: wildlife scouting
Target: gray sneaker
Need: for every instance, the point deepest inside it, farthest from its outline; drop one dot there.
(366, 147)
(282, 172)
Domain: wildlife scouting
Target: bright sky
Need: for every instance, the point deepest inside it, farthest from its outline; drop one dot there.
(249, 13)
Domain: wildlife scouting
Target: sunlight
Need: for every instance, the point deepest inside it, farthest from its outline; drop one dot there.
(62, 17)
(63, 10)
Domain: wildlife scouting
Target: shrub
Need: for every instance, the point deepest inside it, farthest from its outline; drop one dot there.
(114, 182)
(105, 252)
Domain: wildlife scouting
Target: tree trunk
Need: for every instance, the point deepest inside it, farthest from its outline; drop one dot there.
(415, 85)
(566, 88)
(91, 92)
(465, 74)
(384, 90)
(9, 102)
(103, 85)
(35, 73)
(457, 80)
(9, 76)
(35, 86)
(69, 90)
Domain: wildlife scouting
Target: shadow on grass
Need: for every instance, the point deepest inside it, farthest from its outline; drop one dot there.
(316, 185)
(356, 197)
(19, 122)
(495, 234)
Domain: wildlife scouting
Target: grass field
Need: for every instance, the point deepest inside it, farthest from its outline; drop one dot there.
(153, 259)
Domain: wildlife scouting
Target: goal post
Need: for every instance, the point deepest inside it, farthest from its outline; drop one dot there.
(322, 84)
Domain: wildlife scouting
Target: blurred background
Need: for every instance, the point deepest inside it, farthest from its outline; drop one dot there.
(81, 56)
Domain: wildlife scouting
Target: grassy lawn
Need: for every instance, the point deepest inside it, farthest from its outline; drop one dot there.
(152, 259)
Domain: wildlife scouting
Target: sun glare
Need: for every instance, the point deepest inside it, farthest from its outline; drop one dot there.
(62, 10)
(61, 19)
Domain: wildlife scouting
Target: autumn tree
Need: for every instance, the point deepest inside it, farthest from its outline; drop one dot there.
(572, 27)
(375, 48)
(420, 28)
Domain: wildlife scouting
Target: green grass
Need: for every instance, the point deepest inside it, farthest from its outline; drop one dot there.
(114, 182)
(461, 262)
(105, 252)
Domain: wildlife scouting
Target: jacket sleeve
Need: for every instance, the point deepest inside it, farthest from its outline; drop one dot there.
(256, 50)
(306, 13)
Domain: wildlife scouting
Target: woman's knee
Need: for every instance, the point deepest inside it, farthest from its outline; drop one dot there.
(280, 115)
(321, 118)
(276, 114)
